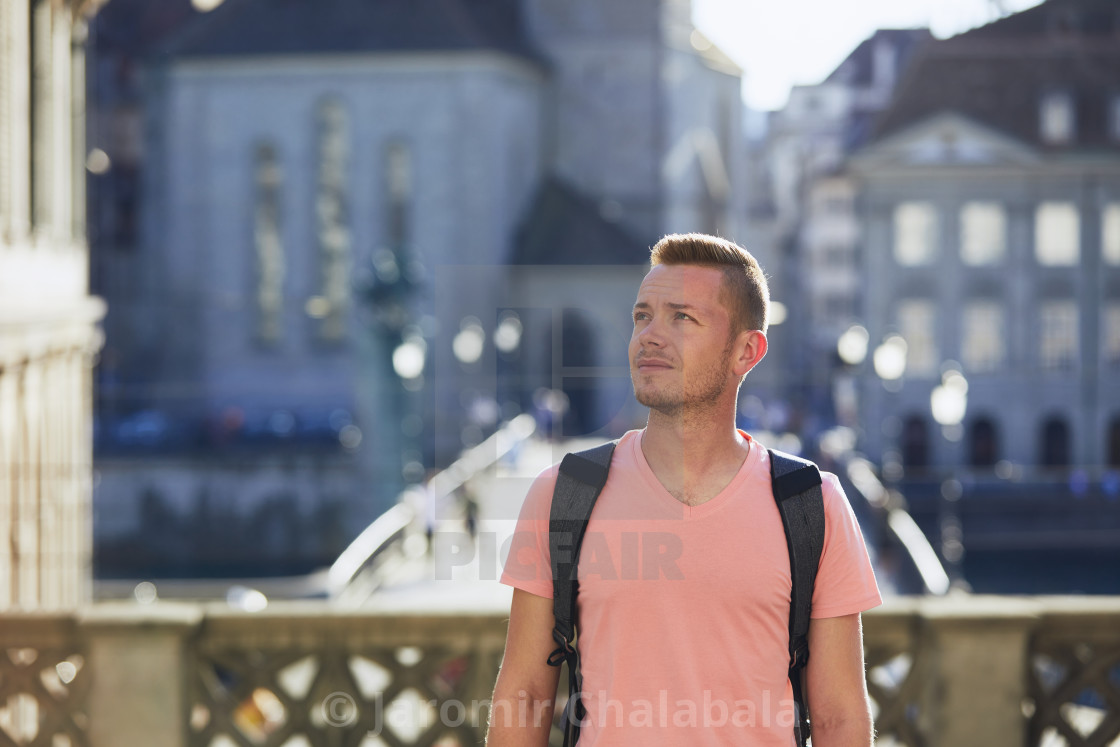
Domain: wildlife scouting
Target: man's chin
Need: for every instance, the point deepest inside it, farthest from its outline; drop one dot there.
(655, 402)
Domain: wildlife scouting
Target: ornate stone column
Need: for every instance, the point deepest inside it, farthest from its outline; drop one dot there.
(49, 334)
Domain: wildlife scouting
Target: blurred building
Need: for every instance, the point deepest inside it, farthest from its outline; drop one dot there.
(803, 215)
(48, 320)
(990, 195)
(330, 209)
(944, 225)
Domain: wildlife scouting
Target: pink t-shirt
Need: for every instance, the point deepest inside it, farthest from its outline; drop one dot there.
(683, 612)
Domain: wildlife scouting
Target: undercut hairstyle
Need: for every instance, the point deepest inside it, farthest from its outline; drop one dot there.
(743, 292)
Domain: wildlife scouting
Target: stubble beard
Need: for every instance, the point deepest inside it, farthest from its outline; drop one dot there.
(695, 393)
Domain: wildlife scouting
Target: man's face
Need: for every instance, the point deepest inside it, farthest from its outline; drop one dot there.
(681, 347)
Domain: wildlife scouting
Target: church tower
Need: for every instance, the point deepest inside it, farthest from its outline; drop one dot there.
(605, 110)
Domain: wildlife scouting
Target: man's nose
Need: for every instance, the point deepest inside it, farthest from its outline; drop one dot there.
(652, 333)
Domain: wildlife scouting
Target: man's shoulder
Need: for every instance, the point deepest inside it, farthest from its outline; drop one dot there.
(829, 478)
(622, 449)
(831, 486)
(544, 484)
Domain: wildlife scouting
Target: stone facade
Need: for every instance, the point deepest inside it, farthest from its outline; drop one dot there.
(979, 166)
(309, 201)
(48, 322)
(991, 243)
(470, 125)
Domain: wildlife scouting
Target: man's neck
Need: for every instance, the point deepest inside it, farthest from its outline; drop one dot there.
(694, 455)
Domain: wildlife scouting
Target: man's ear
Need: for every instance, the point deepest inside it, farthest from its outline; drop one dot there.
(750, 348)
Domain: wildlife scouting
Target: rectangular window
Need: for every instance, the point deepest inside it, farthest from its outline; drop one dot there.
(398, 183)
(915, 233)
(1058, 332)
(983, 346)
(1056, 118)
(1110, 333)
(917, 323)
(1057, 234)
(1110, 234)
(983, 233)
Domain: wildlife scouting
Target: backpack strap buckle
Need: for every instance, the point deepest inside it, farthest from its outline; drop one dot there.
(799, 655)
(564, 652)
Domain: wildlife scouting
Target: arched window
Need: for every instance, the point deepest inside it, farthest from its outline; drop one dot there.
(915, 443)
(1113, 456)
(270, 262)
(333, 220)
(983, 443)
(1054, 447)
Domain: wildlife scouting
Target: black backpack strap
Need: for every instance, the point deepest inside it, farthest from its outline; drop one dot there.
(797, 491)
(580, 480)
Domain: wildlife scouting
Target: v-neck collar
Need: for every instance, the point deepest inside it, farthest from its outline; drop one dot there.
(754, 460)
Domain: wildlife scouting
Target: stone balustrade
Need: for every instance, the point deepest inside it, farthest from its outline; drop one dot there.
(941, 671)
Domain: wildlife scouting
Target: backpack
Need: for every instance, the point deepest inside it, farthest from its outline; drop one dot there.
(796, 484)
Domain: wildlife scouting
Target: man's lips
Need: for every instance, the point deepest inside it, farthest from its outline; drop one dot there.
(652, 364)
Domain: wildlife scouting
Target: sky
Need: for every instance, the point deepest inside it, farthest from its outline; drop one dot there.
(781, 43)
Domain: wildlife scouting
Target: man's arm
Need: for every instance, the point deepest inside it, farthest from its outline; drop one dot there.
(524, 696)
(837, 690)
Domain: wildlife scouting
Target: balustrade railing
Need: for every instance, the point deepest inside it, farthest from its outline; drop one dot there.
(955, 670)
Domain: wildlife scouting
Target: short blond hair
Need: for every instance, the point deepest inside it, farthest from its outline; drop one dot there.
(743, 292)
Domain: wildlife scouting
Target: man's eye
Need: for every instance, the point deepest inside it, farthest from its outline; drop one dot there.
(682, 315)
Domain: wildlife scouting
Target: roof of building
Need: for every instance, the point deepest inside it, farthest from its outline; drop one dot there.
(1080, 18)
(998, 74)
(563, 226)
(283, 27)
(134, 27)
(858, 68)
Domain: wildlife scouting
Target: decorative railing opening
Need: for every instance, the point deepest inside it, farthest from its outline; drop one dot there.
(44, 681)
(1074, 684)
(894, 661)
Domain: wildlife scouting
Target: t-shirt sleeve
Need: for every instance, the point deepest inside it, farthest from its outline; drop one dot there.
(845, 581)
(527, 566)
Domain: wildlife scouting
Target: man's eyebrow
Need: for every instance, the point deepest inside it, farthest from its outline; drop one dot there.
(670, 304)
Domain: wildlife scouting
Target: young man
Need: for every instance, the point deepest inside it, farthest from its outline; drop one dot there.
(684, 576)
